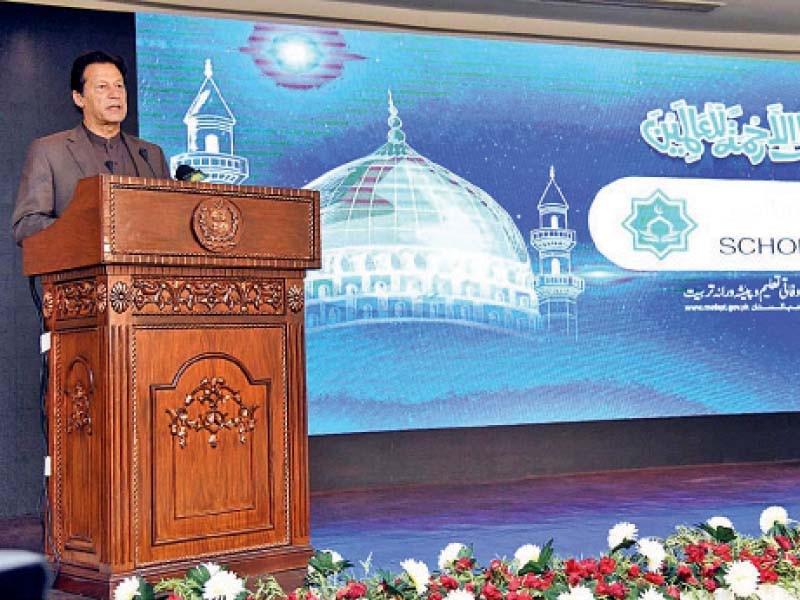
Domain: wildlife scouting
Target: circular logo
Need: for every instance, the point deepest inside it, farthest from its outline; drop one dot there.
(217, 224)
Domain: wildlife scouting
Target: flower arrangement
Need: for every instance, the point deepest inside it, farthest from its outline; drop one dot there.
(711, 561)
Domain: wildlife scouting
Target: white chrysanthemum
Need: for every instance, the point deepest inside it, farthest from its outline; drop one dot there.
(770, 591)
(720, 522)
(696, 594)
(772, 515)
(651, 593)
(653, 551)
(742, 578)
(526, 554)
(722, 594)
(449, 554)
(579, 592)
(223, 585)
(211, 567)
(459, 595)
(127, 589)
(621, 532)
(419, 573)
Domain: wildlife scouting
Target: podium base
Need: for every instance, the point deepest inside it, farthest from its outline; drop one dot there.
(287, 565)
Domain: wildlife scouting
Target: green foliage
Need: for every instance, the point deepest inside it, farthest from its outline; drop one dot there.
(268, 588)
(542, 564)
(624, 545)
(721, 535)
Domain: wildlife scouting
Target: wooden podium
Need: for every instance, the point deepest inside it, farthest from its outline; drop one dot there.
(177, 401)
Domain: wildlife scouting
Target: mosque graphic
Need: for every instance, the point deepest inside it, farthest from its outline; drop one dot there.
(405, 239)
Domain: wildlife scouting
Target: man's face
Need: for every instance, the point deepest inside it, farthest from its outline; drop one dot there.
(104, 100)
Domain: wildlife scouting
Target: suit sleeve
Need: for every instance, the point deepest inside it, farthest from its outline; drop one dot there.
(35, 205)
(159, 162)
(163, 161)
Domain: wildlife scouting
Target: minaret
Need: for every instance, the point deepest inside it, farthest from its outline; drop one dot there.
(557, 287)
(209, 143)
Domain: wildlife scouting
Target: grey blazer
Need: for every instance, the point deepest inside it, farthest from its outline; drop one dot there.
(53, 167)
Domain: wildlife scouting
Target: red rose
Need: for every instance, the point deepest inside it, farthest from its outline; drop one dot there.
(710, 584)
(708, 570)
(684, 572)
(490, 592)
(574, 579)
(768, 576)
(435, 596)
(470, 587)
(513, 584)
(589, 566)
(695, 553)
(352, 591)
(572, 566)
(654, 578)
(783, 542)
(524, 596)
(634, 571)
(674, 592)
(536, 583)
(606, 565)
(449, 583)
(618, 590)
(463, 564)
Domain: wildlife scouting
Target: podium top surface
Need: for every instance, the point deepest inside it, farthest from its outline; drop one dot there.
(132, 220)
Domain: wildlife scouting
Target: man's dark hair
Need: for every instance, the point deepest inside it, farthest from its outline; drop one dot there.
(76, 78)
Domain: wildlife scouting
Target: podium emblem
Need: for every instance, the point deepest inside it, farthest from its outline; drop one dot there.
(217, 224)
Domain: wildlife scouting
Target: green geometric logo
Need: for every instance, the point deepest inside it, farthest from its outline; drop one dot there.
(659, 224)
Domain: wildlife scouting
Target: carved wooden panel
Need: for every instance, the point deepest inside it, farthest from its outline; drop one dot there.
(211, 436)
(169, 296)
(79, 391)
(78, 450)
(76, 299)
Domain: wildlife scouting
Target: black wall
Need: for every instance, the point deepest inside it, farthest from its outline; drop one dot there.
(37, 46)
(474, 455)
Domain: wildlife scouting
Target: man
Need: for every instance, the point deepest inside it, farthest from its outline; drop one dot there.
(97, 145)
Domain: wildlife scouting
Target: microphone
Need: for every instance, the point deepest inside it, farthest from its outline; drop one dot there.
(110, 166)
(144, 155)
(189, 173)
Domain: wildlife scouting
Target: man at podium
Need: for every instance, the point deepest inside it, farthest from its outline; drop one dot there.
(55, 163)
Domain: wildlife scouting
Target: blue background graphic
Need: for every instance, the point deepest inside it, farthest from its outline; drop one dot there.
(498, 114)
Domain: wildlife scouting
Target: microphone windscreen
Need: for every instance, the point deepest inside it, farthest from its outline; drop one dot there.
(183, 172)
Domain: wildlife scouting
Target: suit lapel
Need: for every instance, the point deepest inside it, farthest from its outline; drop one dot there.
(142, 168)
(81, 149)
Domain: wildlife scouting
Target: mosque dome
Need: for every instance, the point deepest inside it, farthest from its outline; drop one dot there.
(404, 237)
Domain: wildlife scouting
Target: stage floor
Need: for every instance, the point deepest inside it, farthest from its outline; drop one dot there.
(575, 510)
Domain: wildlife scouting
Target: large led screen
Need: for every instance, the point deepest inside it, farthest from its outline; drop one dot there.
(512, 232)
